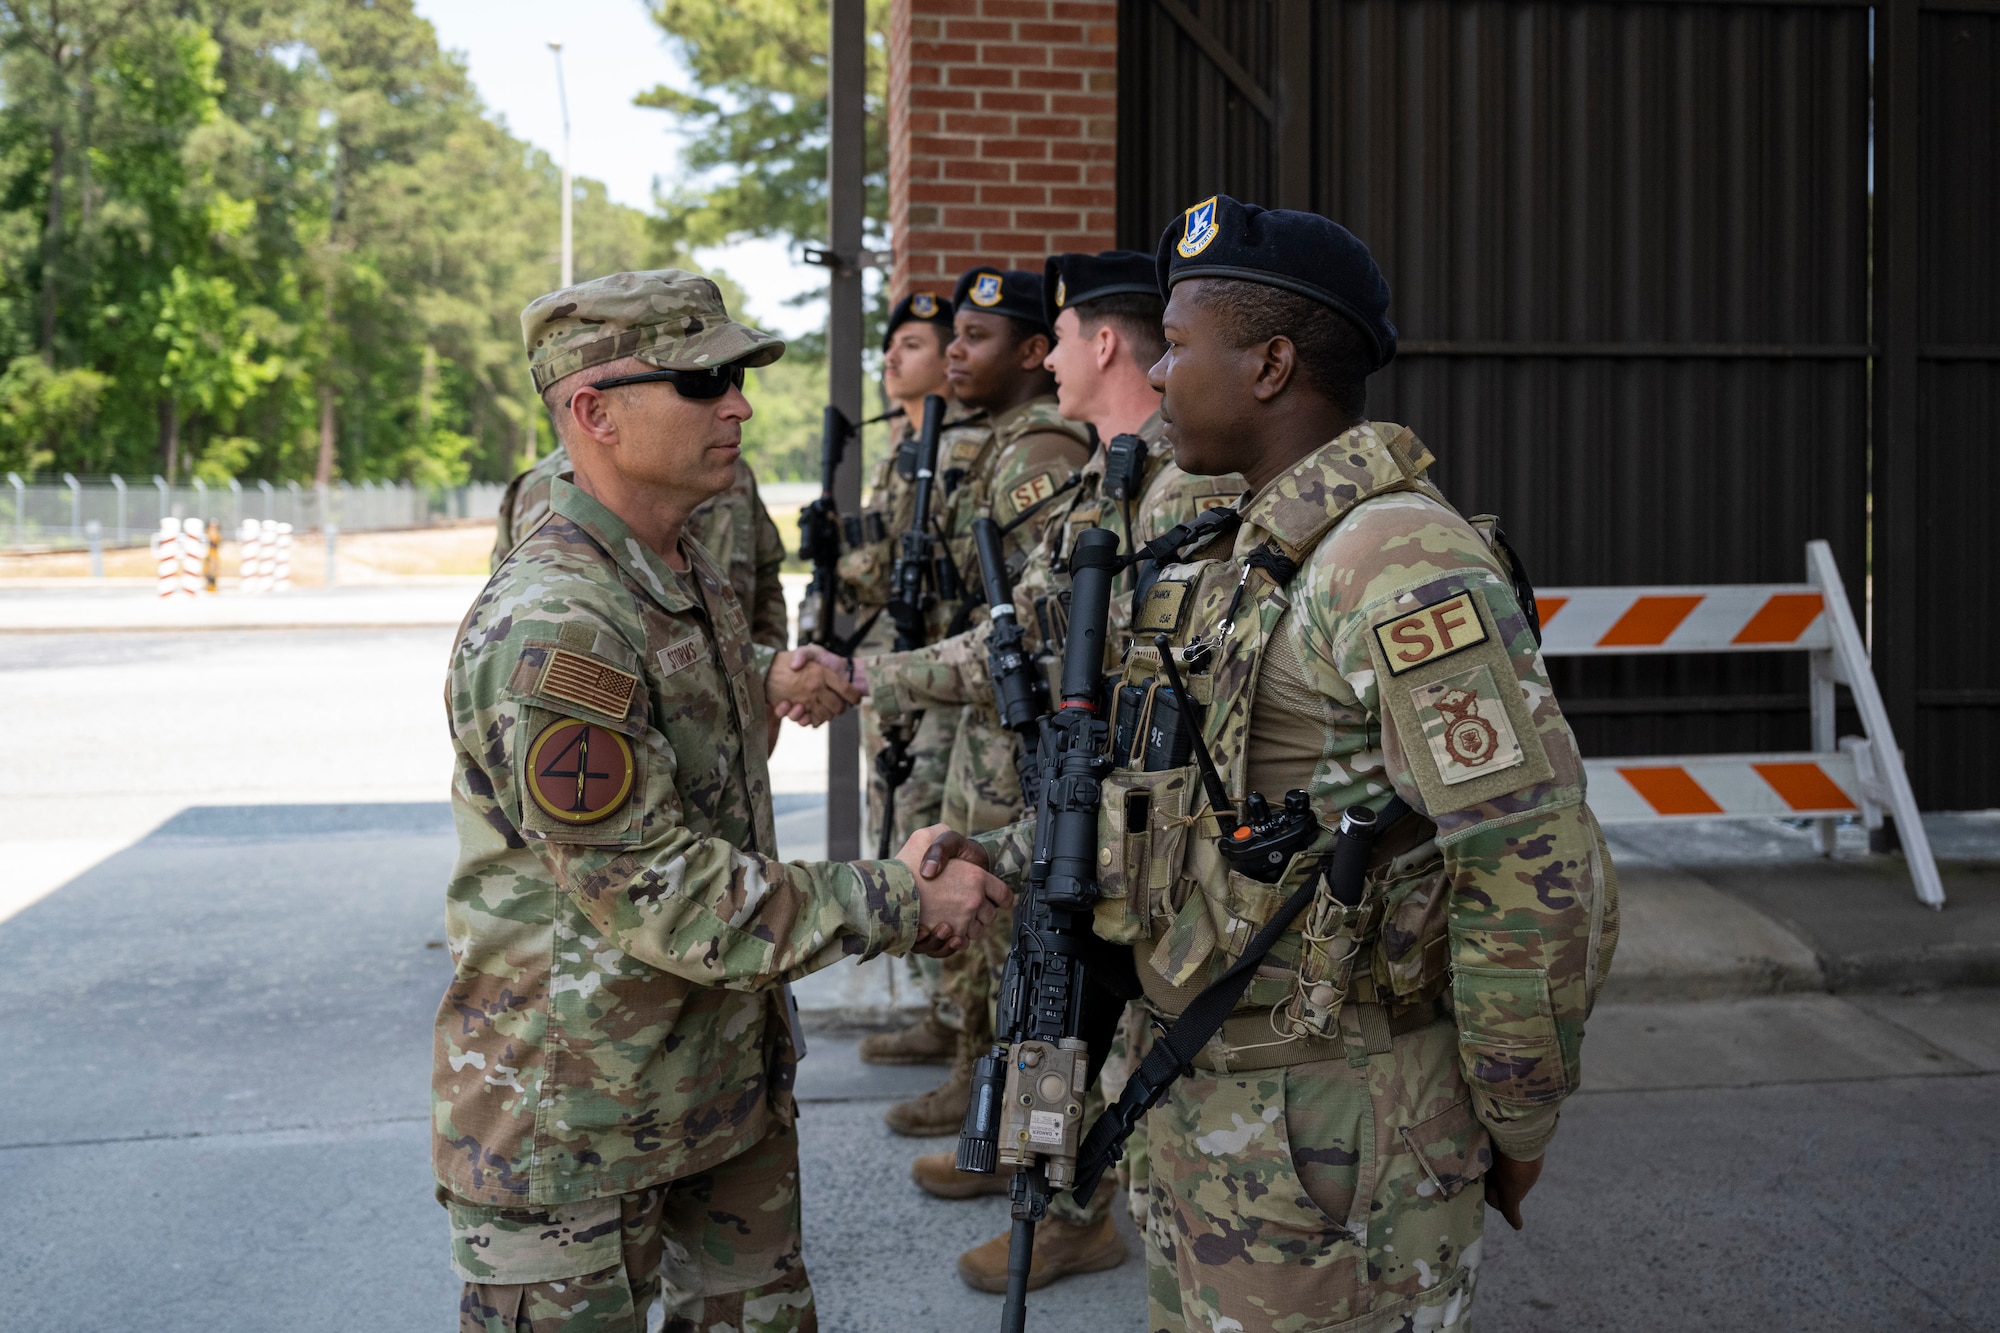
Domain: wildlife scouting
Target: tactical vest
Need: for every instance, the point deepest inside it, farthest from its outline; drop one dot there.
(1041, 590)
(967, 482)
(1165, 886)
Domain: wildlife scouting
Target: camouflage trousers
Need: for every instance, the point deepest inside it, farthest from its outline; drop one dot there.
(1129, 1045)
(720, 1250)
(917, 805)
(1318, 1197)
(982, 785)
(920, 798)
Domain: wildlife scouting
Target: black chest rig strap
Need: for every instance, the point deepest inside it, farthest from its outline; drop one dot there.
(1344, 868)
(1167, 547)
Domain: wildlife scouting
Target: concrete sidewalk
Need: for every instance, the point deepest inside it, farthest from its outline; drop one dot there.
(1719, 909)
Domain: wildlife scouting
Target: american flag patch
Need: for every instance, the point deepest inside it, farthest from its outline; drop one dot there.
(587, 682)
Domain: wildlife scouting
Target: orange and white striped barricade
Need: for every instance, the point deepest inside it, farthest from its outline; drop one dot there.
(1851, 775)
(267, 555)
(166, 546)
(194, 553)
(250, 542)
(281, 559)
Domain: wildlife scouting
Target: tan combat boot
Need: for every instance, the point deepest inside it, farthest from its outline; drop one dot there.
(942, 1109)
(926, 1042)
(1061, 1248)
(937, 1173)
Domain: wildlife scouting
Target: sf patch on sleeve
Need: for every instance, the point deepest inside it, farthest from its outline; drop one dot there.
(1448, 686)
(1032, 491)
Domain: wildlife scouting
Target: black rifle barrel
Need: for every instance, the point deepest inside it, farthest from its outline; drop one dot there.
(915, 559)
(1012, 673)
(1042, 1055)
(819, 532)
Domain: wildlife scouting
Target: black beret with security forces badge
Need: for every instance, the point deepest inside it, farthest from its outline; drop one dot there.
(1071, 279)
(1013, 292)
(1305, 253)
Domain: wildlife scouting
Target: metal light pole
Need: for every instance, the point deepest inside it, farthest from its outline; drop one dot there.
(562, 97)
(847, 72)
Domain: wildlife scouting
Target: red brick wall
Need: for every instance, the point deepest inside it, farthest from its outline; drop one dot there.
(1003, 127)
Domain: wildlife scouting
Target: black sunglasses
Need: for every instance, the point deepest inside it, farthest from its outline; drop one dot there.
(711, 383)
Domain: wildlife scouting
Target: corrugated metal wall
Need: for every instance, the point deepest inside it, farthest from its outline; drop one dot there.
(1630, 250)
(1943, 593)
(1185, 129)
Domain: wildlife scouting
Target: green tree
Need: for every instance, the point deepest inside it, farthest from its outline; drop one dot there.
(40, 408)
(208, 361)
(756, 122)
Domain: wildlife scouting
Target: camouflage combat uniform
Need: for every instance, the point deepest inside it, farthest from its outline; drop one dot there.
(613, 1059)
(865, 570)
(1033, 451)
(1025, 457)
(733, 527)
(954, 672)
(613, 1026)
(1320, 1167)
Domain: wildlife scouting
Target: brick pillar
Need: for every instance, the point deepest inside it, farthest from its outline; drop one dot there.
(1003, 130)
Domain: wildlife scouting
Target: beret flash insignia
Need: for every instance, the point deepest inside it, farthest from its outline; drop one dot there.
(1200, 229)
(986, 290)
(924, 306)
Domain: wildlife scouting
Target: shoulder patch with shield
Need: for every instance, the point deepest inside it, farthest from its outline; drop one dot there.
(1448, 687)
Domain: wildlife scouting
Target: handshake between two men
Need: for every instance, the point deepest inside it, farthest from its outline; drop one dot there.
(958, 898)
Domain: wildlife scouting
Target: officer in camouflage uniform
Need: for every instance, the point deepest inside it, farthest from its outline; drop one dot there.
(1012, 473)
(1106, 312)
(912, 367)
(612, 1114)
(1393, 1065)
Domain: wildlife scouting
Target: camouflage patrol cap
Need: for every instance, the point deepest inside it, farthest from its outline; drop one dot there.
(666, 317)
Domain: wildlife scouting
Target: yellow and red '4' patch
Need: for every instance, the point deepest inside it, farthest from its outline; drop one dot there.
(579, 772)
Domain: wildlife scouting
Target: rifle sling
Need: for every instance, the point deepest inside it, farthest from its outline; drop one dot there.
(1173, 1053)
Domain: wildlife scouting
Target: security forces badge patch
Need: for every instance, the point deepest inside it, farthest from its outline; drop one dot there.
(986, 290)
(1200, 229)
(1061, 291)
(923, 305)
(1446, 678)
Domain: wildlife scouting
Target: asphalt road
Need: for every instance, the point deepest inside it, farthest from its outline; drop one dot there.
(217, 1043)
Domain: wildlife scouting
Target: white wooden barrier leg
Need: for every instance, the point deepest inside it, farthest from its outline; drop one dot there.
(1820, 665)
(1856, 673)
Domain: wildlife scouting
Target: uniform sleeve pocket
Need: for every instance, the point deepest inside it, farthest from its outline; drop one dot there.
(1451, 1147)
(1507, 1034)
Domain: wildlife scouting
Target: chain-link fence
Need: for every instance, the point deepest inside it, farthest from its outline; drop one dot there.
(42, 514)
